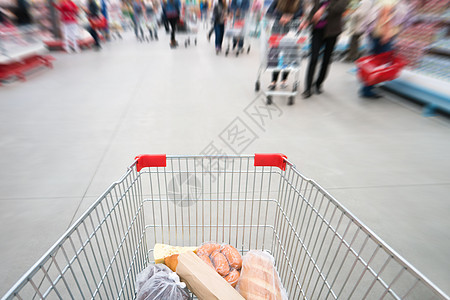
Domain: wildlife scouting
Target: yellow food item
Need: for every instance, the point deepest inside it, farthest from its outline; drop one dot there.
(162, 250)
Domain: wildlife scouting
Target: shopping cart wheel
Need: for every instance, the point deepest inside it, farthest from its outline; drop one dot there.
(257, 86)
(269, 100)
(291, 100)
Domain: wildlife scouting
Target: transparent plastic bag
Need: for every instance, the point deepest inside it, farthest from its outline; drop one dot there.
(148, 273)
(259, 278)
(224, 258)
(164, 286)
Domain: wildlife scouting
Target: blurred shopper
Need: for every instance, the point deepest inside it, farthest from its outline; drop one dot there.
(150, 15)
(138, 19)
(382, 37)
(171, 10)
(326, 22)
(68, 14)
(239, 9)
(358, 28)
(164, 19)
(203, 10)
(93, 14)
(219, 16)
(284, 12)
(22, 13)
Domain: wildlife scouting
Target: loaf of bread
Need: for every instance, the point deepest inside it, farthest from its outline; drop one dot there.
(259, 280)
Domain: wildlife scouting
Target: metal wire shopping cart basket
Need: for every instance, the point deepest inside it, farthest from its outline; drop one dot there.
(280, 40)
(260, 201)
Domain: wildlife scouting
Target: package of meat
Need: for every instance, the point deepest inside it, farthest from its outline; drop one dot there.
(223, 258)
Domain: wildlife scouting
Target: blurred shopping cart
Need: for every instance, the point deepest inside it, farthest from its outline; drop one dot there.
(189, 26)
(281, 52)
(236, 31)
(261, 201)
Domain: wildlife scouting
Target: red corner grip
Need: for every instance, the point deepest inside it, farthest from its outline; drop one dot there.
(150, 160)
(271, 160)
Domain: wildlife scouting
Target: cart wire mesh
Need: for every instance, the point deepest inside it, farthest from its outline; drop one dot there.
(321, 250)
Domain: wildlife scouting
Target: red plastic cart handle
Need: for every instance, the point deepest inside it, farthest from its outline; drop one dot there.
(150, 160)
(261, 160)
(271, 160)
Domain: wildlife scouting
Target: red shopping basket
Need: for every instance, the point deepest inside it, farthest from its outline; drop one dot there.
(98, 22)
(374, 69)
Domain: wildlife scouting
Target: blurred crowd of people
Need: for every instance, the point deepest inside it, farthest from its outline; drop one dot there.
(379, 21)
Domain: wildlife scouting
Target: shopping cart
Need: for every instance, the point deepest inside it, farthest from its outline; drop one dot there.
(189, 26)
(374, 69)
(281, 52)
(235, 33)
(261, 201)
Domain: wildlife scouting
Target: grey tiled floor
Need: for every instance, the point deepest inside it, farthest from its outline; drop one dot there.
(67, 133)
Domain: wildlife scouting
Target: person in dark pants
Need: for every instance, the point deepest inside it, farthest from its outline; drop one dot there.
(22, 13)
(239, 9)
(326, 22)
(284, 11)
(93, 13)
(219, 17)
(171, 10)
(138, 16)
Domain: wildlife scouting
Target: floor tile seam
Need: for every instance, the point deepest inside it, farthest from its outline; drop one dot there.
(111, 140)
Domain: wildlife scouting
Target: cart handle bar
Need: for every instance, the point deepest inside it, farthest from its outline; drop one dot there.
(261, 160)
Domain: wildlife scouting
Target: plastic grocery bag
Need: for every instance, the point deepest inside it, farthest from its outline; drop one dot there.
(148, 273)
(259, 278)
(164, 286)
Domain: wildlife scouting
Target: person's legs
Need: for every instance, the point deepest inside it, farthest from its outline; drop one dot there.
(150, 32)
(66, 34)
(221, 33)
(94, 35)
(353, 52)
(284, 75)
(155, 31)
(73, 29)
(330, 42)
(166, 23)
(316, 43)
(211, 32)
(135, 24)
(275, 75)
(367, 92)
(241, 43)
(173, 25)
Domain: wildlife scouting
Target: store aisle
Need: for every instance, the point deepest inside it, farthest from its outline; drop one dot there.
(68, 133)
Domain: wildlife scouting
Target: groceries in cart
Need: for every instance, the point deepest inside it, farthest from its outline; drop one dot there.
(253, 275)
(374, 69)
(158, 282)
(259, 278)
